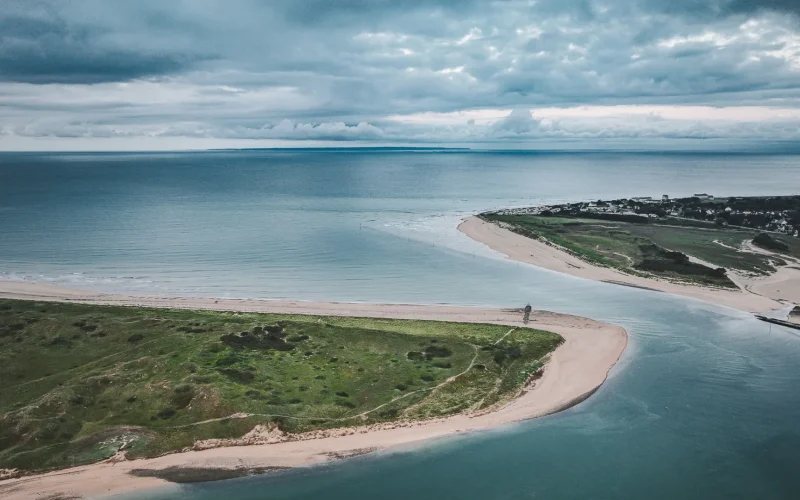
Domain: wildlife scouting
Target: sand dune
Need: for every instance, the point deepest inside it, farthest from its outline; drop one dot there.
(575, 370)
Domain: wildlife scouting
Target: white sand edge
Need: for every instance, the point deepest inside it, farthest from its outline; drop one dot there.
(759, 294)
(575, 370)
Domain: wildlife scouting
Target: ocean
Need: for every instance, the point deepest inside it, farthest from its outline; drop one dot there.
(703, 405)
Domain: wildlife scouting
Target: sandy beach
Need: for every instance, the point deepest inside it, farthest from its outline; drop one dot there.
(575, 370)
(756, 295)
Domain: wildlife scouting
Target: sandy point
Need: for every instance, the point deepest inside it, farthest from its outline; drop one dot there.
(755, 295)
(575, 370)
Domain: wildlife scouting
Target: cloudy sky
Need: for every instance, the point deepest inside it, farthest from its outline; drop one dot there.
(156, 74)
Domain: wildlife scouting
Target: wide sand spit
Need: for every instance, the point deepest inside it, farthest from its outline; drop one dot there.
(756, 295)
(574, 371)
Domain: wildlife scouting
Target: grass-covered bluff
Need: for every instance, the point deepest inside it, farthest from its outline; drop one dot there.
(79, 381)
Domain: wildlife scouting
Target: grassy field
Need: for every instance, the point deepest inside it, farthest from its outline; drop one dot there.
(79, 381)
(635, 247)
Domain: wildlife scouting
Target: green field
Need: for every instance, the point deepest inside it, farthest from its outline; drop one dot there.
(645, 248)
(79, 381)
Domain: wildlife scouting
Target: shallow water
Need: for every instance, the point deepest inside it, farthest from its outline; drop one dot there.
(703, 405)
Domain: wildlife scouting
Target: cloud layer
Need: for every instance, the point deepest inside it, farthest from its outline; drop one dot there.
(503, 72)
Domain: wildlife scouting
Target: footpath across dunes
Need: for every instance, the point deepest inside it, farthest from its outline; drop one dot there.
(284, 383)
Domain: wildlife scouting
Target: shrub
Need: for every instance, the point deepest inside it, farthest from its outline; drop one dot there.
(435, 351)
(166, 413)
(764, 240)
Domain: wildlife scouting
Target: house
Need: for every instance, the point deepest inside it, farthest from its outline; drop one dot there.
(664, 198)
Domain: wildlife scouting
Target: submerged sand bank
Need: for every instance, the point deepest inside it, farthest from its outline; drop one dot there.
(575, 370)
(757, 294)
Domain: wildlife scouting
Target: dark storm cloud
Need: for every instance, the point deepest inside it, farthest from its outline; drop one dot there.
(42, 46)
(324, 70)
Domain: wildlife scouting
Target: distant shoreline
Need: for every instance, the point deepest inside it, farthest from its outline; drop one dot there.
(575, 370)
(541, 254)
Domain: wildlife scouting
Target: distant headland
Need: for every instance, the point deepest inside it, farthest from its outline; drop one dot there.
(743, 252)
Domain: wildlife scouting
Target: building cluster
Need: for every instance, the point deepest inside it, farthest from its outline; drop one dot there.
(757, 213)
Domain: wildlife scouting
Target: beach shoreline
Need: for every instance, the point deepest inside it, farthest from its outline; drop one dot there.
(575, 370)
(756, 295)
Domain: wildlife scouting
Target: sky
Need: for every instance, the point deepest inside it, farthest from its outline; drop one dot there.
(511, 74)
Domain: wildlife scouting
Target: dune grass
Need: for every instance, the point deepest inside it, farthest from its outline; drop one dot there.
(80, 381)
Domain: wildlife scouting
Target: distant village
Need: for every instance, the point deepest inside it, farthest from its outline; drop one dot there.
(779, 214)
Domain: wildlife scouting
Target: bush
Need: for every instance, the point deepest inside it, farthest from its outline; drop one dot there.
(182, 396)
(435, 351)
(166, 413)
(764, 240)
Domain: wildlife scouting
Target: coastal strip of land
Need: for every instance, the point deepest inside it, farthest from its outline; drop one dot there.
(573, 372)
(755, 294)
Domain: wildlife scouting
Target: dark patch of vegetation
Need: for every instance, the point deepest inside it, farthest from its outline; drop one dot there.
(266, 338)
(136, 337)
(191, 329)
(435, 351)
(182, 396)
(660, 260)
(501, 353)
(240, 376)
(166, 413)
(764, 240)
(61, 341)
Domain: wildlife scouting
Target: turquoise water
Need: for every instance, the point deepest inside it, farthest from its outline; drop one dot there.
(704, 404)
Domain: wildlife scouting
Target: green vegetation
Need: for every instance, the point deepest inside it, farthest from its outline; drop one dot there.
(764, 240)
(80, 381)
(656, 248)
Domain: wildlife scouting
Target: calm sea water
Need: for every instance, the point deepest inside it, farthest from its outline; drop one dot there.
(704, 404)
